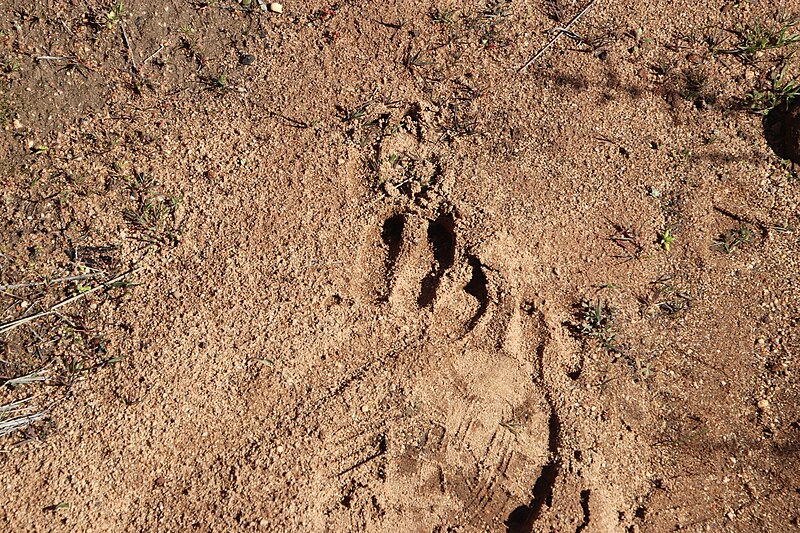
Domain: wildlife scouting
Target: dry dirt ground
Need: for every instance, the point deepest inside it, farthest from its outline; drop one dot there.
(371, 276)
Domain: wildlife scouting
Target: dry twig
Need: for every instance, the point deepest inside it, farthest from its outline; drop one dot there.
(561, 31)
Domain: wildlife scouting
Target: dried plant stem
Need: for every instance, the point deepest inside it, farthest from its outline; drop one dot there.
(51, 281)
(24, 320)
(552, 41)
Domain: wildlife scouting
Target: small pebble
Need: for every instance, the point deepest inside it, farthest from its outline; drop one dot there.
(763, 404)
(275, 7)
(247, 59)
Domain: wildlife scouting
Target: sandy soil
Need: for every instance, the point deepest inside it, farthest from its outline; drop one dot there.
(389, 281)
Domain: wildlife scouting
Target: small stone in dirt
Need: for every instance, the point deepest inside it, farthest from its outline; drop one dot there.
(763, 404)
(792, 130)
(247, 59)
(275, 7)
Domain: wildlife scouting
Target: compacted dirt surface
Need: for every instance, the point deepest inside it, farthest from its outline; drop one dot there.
(369, 274)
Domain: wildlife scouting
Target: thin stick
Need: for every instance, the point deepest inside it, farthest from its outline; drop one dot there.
(55, 58)
(557, 35)
(51, 282)
(154, 54)
(24, 320)
(129, 47)
(362, 462)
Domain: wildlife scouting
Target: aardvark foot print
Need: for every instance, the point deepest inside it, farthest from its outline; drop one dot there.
(427, 269)
(471, 436)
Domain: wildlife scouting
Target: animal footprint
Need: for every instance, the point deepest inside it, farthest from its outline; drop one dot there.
(442, 243)
(427, 268)
(473, 434)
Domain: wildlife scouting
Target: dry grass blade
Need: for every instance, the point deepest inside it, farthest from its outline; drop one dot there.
(33, 377)
(52, 281)
(8, 326)
(18, 414)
